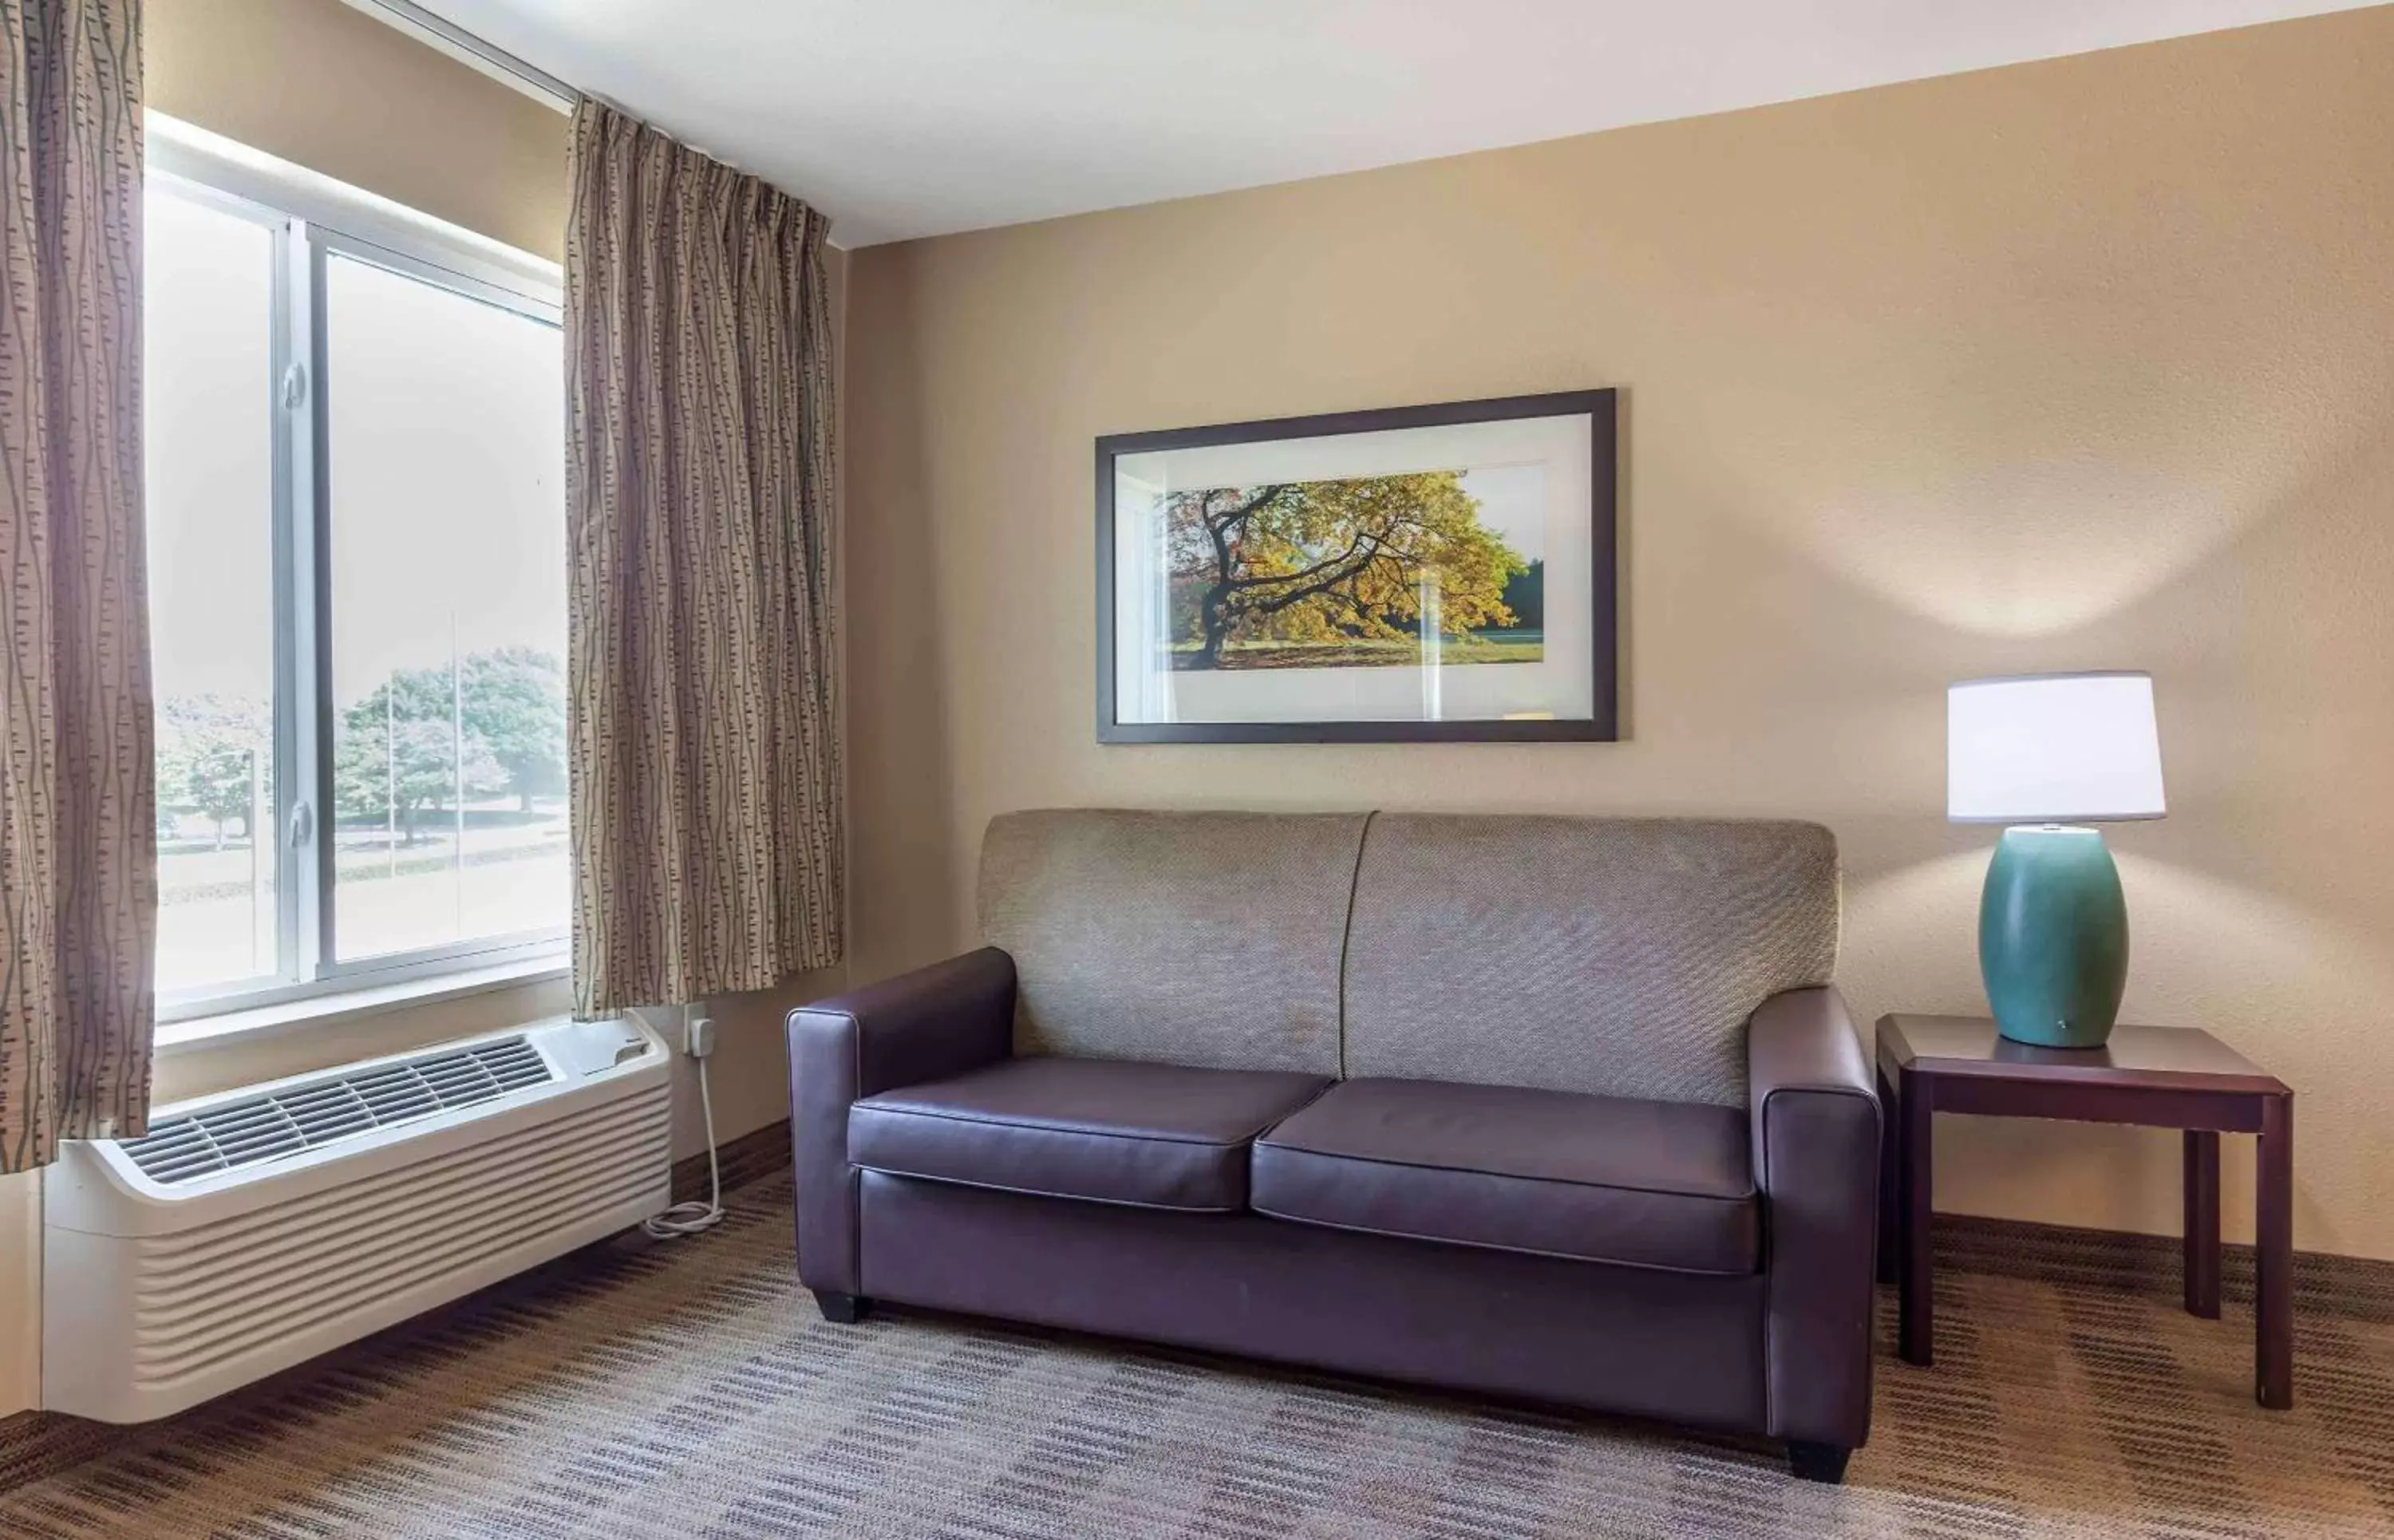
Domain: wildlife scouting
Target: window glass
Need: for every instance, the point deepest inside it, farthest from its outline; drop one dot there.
(445, 436)
(208, 429)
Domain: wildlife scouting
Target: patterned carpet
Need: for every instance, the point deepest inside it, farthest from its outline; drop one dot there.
(640, 1391)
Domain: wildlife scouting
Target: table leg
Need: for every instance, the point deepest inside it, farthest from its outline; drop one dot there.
(1890, 1163)
(2202, 1223)
(2273, 1258)
(1916, 1312)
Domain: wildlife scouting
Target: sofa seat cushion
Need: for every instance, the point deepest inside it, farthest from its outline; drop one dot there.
(1652, 1184)
(1108, 1130)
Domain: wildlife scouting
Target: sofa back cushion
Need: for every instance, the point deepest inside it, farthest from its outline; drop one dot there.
(1203, 938)
(1616, 956)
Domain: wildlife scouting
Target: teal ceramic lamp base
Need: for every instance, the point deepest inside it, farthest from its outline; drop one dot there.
(2053, 937)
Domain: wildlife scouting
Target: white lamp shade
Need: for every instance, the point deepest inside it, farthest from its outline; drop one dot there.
(2052, 748)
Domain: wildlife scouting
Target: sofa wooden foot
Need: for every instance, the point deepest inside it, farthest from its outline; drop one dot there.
(845, 1308)
(1818, 1461)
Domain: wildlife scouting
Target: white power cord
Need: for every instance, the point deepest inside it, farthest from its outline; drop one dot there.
(690, 1219)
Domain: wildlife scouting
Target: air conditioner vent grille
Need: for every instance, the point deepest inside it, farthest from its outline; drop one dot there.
(303, 1117)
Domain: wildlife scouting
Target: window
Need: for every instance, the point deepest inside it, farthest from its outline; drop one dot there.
(355, 429)
(209, 441)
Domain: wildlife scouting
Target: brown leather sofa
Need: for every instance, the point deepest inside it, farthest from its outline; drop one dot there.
(1556, 1108)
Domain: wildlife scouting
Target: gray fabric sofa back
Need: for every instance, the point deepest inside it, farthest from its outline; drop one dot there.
(1203, 938)
(1611, 956)
(1619, 956)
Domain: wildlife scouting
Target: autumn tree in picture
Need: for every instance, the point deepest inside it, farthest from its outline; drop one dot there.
(1364, 571)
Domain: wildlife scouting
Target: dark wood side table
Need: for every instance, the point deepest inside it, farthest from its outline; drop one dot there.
(2164, 1077)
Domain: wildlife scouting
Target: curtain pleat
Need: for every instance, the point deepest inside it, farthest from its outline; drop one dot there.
(702, 710)
(78, 834)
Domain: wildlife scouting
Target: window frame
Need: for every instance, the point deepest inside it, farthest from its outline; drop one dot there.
(312, 220)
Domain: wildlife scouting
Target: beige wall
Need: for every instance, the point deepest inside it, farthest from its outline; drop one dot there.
(2071, 364)
(326, 86)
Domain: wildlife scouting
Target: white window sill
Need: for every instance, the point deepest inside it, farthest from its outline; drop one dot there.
(260, 1023)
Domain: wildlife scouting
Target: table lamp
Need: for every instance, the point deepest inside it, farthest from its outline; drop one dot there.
(2043, 754)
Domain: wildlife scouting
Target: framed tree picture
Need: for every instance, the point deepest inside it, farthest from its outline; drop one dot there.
(1420, 573)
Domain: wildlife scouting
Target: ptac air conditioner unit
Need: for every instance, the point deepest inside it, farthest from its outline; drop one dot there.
(248, 1232)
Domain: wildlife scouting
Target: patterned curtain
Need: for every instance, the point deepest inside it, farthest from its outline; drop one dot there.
(78, 834)
(702, 711)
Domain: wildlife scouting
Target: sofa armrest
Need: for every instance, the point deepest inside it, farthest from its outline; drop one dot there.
(1816, 1153)
(925, 1025)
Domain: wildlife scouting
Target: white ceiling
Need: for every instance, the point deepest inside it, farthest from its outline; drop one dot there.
(903, 118)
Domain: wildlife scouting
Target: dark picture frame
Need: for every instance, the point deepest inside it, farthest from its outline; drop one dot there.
(1602, 723)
